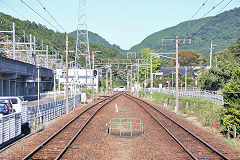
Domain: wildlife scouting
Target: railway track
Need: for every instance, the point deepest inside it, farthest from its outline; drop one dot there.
(195, 147)
(56, 145)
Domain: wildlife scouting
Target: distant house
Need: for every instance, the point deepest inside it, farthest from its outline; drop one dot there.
(80, 77)
(169, 70)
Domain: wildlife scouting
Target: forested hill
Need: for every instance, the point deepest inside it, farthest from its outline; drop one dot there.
(223, 29)
(95, 38)
(55, 40)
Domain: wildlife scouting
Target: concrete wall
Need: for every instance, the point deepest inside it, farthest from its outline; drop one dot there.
(20, 79)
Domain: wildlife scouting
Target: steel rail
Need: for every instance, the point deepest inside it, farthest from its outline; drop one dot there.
(80, 130)
(60, 130)
(192, 134)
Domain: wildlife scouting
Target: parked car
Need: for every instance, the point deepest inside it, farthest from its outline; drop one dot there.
(9, 102)
(4, 109)
(16, 103)
(119, 89)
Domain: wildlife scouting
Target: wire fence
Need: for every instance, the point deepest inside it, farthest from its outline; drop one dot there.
(51, 110)
(214, 96)
(11, 125)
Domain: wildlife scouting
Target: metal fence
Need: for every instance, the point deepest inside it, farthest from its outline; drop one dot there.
(214, 96)
(10, 125)
(50, 110)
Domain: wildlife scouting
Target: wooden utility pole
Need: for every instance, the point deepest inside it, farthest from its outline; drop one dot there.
(177, 65)
(151, 76)
(66, 74)
(127, 80)
(93, 78)
(111, 79)
(138, 78)
(131, 79)
(176, 107)
(185, 78)
(107, 79)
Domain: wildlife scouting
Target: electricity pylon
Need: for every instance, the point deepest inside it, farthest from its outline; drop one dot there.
(82, 43)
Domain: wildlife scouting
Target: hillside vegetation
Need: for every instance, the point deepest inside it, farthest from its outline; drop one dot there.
(95, 38)
(55, 40)
(223, 29)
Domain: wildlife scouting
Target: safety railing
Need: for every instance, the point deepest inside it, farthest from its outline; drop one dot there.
(10, 127)
(214, 96)
(125, 126)
(50, 110)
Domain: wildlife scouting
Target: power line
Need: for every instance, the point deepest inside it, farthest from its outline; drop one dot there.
(214, 7)
(199, 10)
(39, 15)
(51, 15)
(205, 25)
(13, 9)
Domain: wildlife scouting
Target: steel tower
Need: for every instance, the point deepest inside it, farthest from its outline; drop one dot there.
(82, 43)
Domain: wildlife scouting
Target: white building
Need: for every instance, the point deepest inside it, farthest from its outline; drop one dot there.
(78, 78)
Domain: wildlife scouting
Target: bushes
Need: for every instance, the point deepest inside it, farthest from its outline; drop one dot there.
(206, 111)
(231, 95)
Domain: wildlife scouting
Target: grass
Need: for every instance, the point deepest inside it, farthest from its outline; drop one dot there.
(206, 111)
(233, 142)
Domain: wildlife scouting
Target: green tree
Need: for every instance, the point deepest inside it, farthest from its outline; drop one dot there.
(217, 77)
(188, 58)
(156, 63)
(235, 47)
(231, 95)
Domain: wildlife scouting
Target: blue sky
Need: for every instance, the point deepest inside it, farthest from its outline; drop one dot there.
(122, 22)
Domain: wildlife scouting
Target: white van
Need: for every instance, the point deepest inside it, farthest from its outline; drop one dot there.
(16, 102)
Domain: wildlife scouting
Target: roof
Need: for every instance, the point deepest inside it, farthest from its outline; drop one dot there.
(169, 70)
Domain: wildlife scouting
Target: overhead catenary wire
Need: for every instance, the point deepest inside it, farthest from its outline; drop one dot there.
(199, 9)
(206, 24)
(13, 9)
(214, 7)
(39, 15)
(51, 16)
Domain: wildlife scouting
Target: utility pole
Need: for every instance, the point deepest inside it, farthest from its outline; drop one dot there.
(151, 75)
(176, 107)
(31, 50)
(145, 83)
(66, 74)
(93, 78)
(131, 79)
(177, 65)
(138, 78)
(34, 54)
(211, 51)
(107, 79)
(14, 42)
(185, 78)
(46, 63)
(111, 79)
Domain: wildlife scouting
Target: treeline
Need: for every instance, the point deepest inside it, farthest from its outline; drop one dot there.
(223, 29)
(55, 40)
